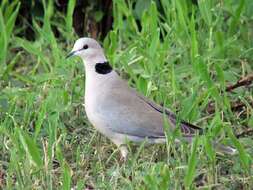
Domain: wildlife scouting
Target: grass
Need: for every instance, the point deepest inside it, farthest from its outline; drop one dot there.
(179, 54)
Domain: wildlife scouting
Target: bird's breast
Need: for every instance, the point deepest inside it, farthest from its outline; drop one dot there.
(94, 105)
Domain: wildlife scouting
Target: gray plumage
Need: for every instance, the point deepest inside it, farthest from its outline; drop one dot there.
(122, 110)
(119, 111)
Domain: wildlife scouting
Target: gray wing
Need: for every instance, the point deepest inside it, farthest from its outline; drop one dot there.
(187, 129)
(138, 116)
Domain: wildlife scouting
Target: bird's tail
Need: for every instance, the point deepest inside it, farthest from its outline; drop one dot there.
(224, 149)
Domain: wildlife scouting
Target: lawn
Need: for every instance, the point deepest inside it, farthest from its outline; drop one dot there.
(184, 55)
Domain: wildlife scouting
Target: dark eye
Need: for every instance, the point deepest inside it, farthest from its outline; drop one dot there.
(85, 46)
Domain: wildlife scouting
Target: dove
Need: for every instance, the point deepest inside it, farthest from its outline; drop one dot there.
(118, 111)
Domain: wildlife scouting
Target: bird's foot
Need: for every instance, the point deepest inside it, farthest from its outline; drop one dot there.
(124, 152)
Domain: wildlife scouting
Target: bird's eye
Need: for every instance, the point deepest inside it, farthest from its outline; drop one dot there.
(85, 46)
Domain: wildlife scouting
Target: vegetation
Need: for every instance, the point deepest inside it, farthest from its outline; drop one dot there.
(179, 53)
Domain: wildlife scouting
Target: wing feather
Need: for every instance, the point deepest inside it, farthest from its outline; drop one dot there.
(143, 118)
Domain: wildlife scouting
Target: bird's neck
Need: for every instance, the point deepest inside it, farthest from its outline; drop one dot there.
(90, 63)
(97, 72)
(94, 59)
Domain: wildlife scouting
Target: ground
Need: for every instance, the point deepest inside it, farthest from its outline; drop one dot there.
(179, 54)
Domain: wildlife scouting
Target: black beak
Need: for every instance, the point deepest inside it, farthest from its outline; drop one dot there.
(70, 54)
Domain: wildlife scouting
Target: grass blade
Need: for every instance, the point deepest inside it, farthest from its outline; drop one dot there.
(192, 162)
(69, 17)
(31, 148)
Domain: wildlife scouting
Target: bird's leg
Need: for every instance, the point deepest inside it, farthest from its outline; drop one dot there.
(124, 152)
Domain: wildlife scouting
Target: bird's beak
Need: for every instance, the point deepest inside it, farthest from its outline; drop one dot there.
(70, 54)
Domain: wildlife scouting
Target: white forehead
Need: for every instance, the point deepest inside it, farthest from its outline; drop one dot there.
(86, 41)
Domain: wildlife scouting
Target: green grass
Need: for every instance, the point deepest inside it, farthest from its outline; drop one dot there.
(183, 56)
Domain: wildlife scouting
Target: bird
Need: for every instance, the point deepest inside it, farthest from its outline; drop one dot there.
(120, 112)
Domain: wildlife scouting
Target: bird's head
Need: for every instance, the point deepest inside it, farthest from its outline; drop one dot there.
(88, 49)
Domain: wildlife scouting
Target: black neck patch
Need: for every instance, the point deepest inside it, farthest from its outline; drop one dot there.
(103, 68)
